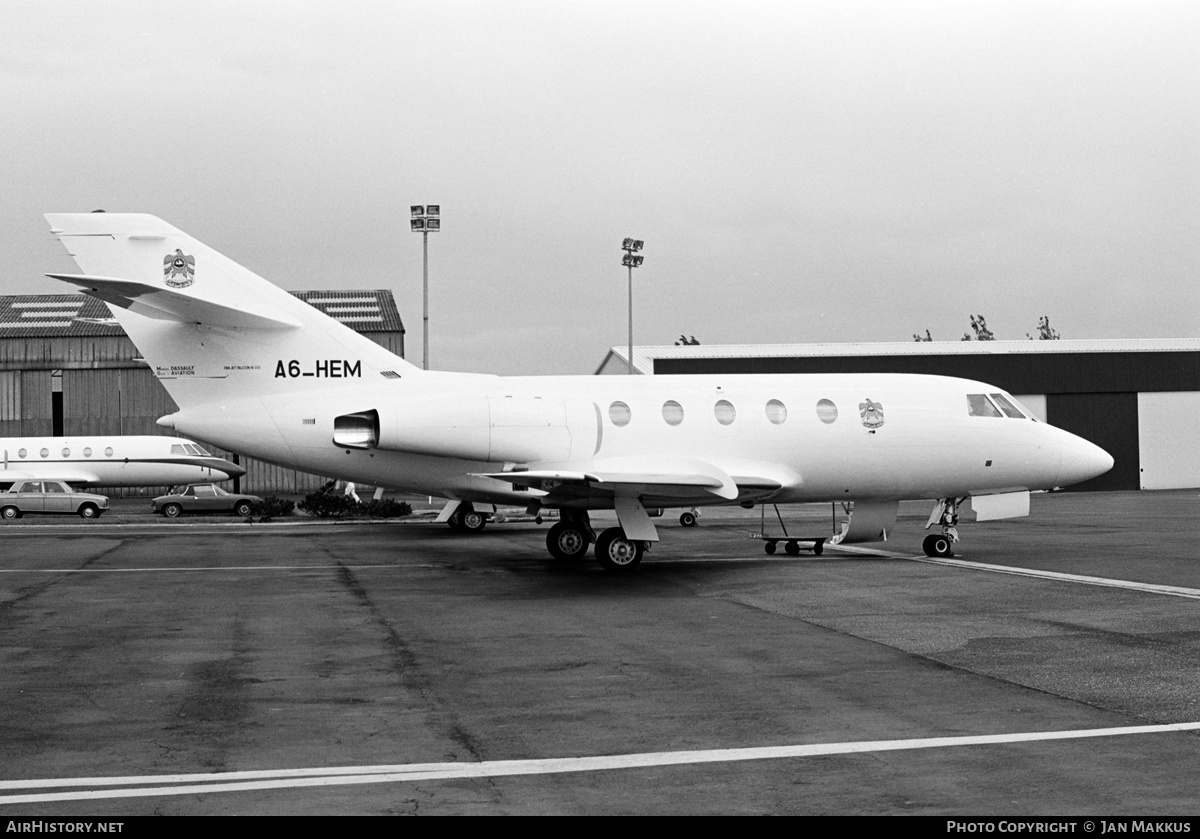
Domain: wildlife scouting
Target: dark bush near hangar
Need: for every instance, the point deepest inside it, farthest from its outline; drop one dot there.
(271, 507)
(325, 505)
(385, 508)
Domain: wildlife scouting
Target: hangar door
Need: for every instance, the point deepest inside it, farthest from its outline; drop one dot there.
(1110, 420)
(1169, 440)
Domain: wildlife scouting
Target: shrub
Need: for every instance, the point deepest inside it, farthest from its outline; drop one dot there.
(385, 508)
(325, 505)
(272, 506)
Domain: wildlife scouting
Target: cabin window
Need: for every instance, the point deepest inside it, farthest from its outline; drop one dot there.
(776, 412)
(177, 449)
(66, 452)
(979, 405)
(22, 453)
(44, 452)
(619, 413)
(826, 411)
(1007, 406)
(108, 452)
(200, 451)
(87, 452)
(672, 412)
(724, 412)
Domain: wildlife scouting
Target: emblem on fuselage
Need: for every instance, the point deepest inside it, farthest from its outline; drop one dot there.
(179, 270)
(871, 413)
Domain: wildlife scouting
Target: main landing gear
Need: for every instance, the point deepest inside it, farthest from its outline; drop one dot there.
(945, 517)
(467, 519)
(570, 539)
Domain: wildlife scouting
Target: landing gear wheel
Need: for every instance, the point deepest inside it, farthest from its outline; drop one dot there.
(455, 520)
(472, 521)
(937, 544)
(614, 552)
(688, 519)
(567, 541)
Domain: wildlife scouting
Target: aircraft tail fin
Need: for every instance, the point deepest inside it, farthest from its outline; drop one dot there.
(202, 320)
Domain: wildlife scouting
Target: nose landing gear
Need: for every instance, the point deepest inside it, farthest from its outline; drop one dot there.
(944, 516)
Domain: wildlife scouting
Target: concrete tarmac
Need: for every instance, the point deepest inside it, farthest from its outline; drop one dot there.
(217, 667)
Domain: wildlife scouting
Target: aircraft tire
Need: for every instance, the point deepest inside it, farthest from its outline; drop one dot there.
(616, 553)
(172, 511)
(566, 542)
(472, 521)
(688, 519)
(936, 544)
(455, 520)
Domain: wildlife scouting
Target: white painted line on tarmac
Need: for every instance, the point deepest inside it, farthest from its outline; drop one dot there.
(138, 786)
(325, 567)
(1106, 582)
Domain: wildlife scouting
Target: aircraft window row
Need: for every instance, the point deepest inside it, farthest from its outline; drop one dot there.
(724, 412)
(978, 405)
(66, 452)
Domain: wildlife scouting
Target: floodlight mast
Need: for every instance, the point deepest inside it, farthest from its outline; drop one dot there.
(631, 246)
(426, 219)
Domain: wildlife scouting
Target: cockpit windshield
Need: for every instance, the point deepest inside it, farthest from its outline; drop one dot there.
(998, 405)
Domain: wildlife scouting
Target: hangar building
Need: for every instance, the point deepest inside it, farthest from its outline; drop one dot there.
(1137, 399)
(68, 369)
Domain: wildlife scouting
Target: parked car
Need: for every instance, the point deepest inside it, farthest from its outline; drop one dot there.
(49, 497)
(203, 498)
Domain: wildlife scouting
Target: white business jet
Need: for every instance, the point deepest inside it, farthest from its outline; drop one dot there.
(116, 461)
(258, 371)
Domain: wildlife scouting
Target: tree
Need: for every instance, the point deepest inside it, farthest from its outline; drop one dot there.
(979, 327)
(687, 341)
(1045, 331)
(917, 336)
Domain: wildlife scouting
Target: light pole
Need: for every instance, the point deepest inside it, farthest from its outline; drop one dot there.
(631, 246)
(426, 219)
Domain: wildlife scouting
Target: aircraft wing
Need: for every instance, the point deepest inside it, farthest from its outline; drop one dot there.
(73, 477)
(662, 476)
(165, 304)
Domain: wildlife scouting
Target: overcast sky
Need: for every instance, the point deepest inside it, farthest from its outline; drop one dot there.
(799, 171)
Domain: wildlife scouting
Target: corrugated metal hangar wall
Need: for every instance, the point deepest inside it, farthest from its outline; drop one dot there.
(1143, 407)
(67, 369)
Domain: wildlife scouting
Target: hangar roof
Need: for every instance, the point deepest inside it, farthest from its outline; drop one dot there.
(644, 357)
(75, 315)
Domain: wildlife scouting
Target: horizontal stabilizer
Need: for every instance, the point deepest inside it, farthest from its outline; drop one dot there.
(165, 304)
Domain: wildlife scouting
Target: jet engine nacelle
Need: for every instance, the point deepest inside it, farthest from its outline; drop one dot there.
(518, 429)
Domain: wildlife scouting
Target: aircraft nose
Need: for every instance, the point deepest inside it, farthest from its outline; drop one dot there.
(1081, 460)
(230, 469)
